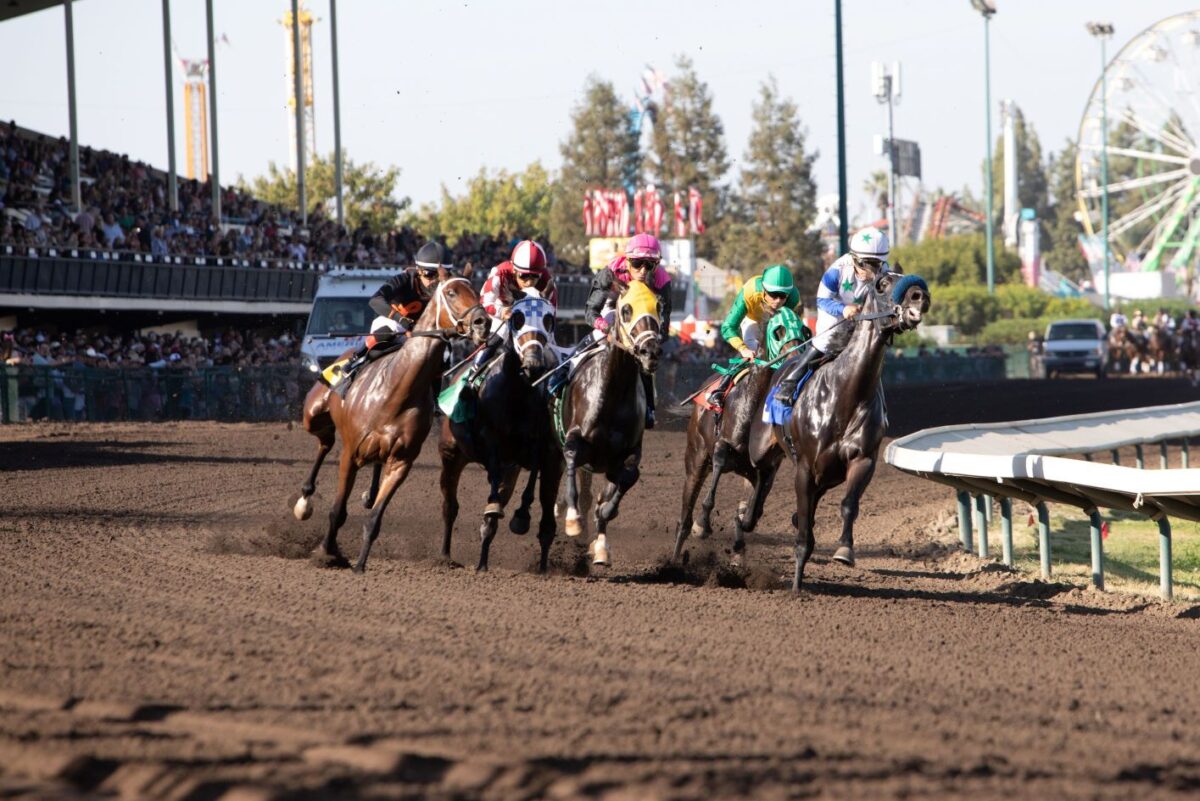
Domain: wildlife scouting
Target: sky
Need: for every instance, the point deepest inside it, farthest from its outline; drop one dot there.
(442, 89)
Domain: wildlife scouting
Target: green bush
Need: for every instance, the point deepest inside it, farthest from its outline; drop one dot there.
(1011, 332)
(957, 260)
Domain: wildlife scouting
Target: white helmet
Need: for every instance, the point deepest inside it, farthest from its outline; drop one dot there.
(869, 243)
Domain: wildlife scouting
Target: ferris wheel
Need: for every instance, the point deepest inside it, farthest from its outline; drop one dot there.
(1153, 102)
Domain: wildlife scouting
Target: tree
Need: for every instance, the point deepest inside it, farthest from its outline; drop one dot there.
(776, 198)
(492, 204)
(1062, 245)
(368, 192)
(601, 151)
(689, 148)
(1032, 186)
(956, 260)
(876, 187)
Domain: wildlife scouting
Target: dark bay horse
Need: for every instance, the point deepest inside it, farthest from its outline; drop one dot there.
(387, 412)
(1189, 353)
(720, 443)
(509, 430)
(839, 419)
(1125, 349)
(603, 412)
(1160, 349)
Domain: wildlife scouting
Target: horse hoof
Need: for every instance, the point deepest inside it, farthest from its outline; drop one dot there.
(572, 525)
(845, 555)
(735, 560)
(519, 524)
(367, 500)
(303, 509)
(493, 510)
(331, 561)
(700, 532)
(599, 551)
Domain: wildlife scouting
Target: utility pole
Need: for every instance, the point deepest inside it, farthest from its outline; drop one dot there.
(987, 8)
(885, 82)
(1103, 31)
(843, 213)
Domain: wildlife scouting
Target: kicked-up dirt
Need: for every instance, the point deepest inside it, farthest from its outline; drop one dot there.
(163, 634)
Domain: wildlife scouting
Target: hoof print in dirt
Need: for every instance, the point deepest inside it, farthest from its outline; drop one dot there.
(329, 561)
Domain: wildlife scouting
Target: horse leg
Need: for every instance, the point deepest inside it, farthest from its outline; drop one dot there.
(696, 468)
(328, 554)
(453, 463)
(551, 474)
(504, 485)
(571, 454)
(609, 505)
(858, 476)
(719, 457)
(519, 524)
(745, 519)
(372, 492)
(303, 508)
(806, 508)
(394, 474)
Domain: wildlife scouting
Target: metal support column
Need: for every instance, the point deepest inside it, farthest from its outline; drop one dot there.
(1104, 169)
(1006, 539)
(843, 202)
(72, 112)
(1185, 453)
(1165, 584)
(214, 175)
(1043, 515)
(1097, 549)
(1141, 457)
(337, 117)
(987, 102)
(172, 175)
(988, 512)
(964, 520)
(1116, 456)
(981, 524)
(1162, 454)
(298, 84)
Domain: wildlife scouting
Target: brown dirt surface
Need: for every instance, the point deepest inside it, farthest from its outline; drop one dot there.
(163, 635)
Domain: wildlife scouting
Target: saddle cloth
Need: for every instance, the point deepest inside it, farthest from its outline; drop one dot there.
(777, 413)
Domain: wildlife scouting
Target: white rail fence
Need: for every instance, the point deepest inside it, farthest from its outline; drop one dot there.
(1031, 460)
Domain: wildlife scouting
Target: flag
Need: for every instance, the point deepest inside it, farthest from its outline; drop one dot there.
(639, 225)
(696, 210)
(588, 230)
(622, 213)
(656, 211)
(599, 213)
(680, 223)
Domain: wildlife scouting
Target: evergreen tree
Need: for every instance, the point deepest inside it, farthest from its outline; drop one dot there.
(776, 197)
(600, 152)
(1032, 185)
(368, 192)
(513, 204)
(1062, 252)
(689, 149)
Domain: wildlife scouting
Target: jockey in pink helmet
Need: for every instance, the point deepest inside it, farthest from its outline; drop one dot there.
(641, 262)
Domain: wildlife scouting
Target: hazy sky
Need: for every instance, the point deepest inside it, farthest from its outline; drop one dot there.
(441, 89)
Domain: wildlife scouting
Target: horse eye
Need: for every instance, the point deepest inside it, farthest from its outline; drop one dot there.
(548, 323)
(517, 320)
(778, 334)
(626, 313)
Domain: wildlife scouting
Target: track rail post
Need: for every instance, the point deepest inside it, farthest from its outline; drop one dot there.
(981, 523)
(1162, 452)
(1185, 452)
(1141, 457)
(1006, 539)
(1165, 584)
(964, 520)
(1116, 456)
(987, 508)
(1043, 514)
(1097, 549)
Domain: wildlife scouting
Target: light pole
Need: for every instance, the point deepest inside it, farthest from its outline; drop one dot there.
(987, 8)
(1102, 31)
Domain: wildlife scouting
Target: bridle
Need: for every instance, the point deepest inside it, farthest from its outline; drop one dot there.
(442, 306)
(541, 338)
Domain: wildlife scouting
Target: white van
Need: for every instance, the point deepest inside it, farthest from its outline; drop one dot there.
(340, 317)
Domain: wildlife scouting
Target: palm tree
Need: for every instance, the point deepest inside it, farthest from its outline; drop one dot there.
(876, 187)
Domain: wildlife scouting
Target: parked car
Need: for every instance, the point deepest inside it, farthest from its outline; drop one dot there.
(1075, 346)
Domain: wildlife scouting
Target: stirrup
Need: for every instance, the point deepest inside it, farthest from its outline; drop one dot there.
(786, 391)
(715, 398)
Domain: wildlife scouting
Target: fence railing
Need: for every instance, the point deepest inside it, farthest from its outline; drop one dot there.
(77, 393)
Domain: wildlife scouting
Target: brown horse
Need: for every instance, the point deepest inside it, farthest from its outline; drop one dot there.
(1189, 352)
(603, 412)
(1160, 350)
(1126, 350)
(721, 443)
(386, 413)
(839, 420)
(509, 430)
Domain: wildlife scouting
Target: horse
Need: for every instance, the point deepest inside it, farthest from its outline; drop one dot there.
(510, 429)
(1160, 349)
(602, 412)
(386, 414)
(838, 421)
(719, 443)
(1189, 353)
(1125, 350)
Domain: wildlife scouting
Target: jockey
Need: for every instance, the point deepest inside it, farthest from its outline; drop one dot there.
(1163, 321)
(506, 283)
(1139, 322)
(640, 262)
(399, 303)
(839, 297)
(1117, 320)
(756, 302)
(1190, 323)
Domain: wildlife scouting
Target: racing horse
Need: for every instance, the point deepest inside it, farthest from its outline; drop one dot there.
(839, 420)
(1189, 353)
(601, 412)
(1160, 350)
(719, 443)
(387, 413)
(507, 428)
(1125, 349)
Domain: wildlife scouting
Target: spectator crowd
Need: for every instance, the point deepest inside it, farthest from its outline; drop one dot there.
(230, 348)
(125, 211)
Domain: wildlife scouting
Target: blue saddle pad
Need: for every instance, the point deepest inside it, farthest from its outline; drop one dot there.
(778, 413)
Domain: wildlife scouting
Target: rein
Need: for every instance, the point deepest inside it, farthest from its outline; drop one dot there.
(440, 305)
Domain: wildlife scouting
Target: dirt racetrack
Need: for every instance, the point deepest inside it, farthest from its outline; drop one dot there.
(163, 635)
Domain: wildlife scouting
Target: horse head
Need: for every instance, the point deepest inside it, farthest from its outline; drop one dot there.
(531, 332)
(457, 308)
(907, 295)
(637, 328)
(785, 332)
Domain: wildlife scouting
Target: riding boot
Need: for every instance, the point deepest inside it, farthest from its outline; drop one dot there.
(792, 373)
(716, 397)
(648, 386)
(483, 357)
(360, 357)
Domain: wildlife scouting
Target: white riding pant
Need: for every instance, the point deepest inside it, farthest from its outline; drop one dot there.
(751, 332)
(382, 323)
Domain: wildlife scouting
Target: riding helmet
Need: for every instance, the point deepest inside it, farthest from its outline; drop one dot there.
(431, 255)
(777, 278)
(869, 243)
(528, 257)
(643, 246)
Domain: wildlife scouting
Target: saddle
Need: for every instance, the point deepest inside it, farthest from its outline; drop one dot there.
(565, 373)
(738, 371)
(778, 413)
(335, 373)
(450, 400)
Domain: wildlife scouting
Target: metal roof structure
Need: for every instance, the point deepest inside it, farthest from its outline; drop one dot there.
(11, 9)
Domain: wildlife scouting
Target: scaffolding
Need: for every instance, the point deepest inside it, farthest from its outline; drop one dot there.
(195, 118)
